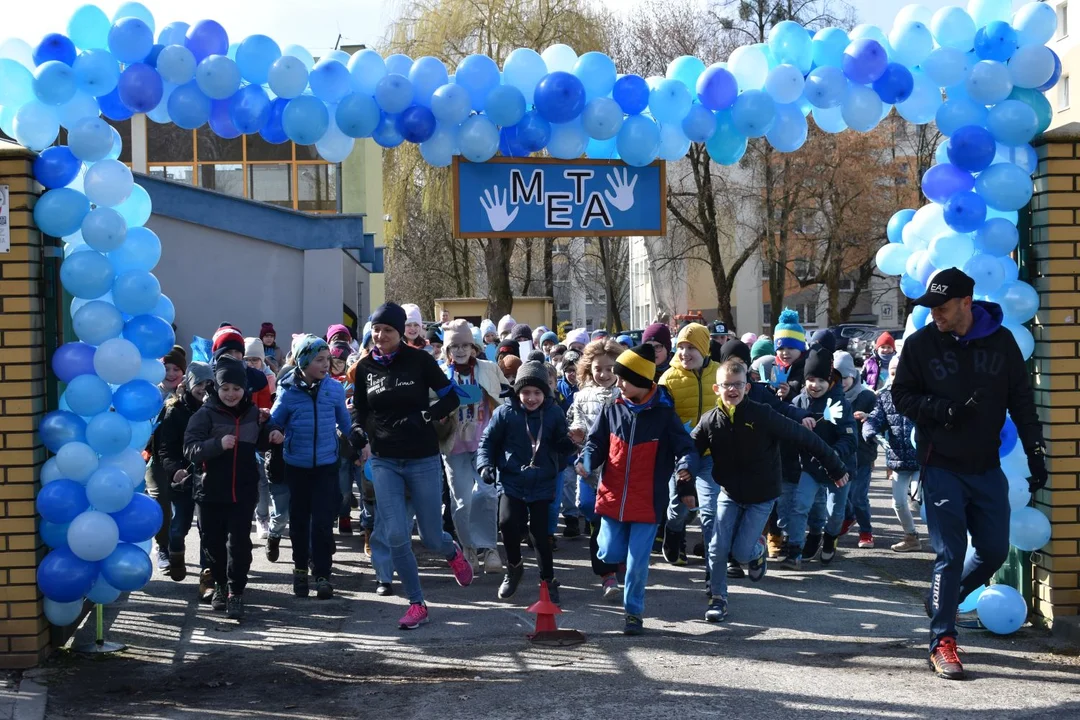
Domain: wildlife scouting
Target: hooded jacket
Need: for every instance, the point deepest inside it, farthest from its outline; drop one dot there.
(169, 444)
(225, 476)
(691, 390)
(978, 377)
(862, 399)
(309, 415)
(841, 434)
(749, 443)
(887, 422)
(507, 446)
(641, 445)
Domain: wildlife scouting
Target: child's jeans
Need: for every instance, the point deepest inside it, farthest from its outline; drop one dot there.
(474, 503)
(348, 476)
(901, 484)
(512, 515)
(738, 533)
(183, 514)
(226, 534)
(262, 508)
(858, 505)
(563, 481)
(822, 504)
(707, 490)
(631, 543)
(587, 507)
(784, 505)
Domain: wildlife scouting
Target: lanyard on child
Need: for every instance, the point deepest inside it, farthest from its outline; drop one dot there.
(535, 442)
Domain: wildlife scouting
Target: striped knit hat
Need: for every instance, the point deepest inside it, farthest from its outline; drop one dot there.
(788, 332)
(637, 366)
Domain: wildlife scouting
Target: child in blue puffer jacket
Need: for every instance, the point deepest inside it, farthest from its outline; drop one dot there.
(310, 407)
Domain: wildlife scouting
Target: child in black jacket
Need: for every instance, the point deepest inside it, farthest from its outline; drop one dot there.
(221, 442)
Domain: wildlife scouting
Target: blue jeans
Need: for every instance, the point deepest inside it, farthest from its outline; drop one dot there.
(858, 506)
(955, 506)
(824, 505)
(183, 514)
(348, 476)
(784, 504)
(473, 503)
(381, 559)
(262, 507)
(707, 490)
(586, 499)
(279, 508)
(738, 533)
(631, 543)
(422, 478)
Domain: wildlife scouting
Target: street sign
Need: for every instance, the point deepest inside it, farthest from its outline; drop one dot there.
(545, 197)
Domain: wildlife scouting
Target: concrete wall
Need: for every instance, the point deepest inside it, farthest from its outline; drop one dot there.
(361, 177)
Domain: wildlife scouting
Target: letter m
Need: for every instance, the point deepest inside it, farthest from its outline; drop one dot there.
(522, 193)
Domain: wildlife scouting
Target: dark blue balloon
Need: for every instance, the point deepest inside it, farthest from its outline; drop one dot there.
(57, 166)
(64, 577)
(61, 501)
(559, 97)
(60, 427)
(941, 182)
(113, 107)
(138, 400)
(272, 132)
(996, 41)
(54, 535)
(416, 124)
(72, 360)
(533, 132)
(508, 143)
(895, 84)
(1053, 78)
(55, 46)
(128, 568)
(153, 336)
(249, 109)
(864, 61)
(206, 38)
(632, 94)
(151, 59)
(972, 148)
(221, 119)
(139, 521)
(965, 212)
(140, 87)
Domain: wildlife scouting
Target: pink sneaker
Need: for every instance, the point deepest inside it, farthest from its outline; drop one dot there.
(463, 571)
(415, 617)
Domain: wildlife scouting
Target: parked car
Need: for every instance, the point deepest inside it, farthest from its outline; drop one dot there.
(859, 339)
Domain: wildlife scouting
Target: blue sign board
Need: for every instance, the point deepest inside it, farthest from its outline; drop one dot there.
(545, 197)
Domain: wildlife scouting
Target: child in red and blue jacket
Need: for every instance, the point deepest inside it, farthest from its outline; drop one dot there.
(640, 440)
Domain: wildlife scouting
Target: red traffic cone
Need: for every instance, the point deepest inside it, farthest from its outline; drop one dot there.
(545, 611)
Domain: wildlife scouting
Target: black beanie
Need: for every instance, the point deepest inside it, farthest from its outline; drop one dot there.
(434, 335)
(228, 369)
(737, 349)
(532, 374)
(537, 356)
(509, 347)
(637, 366)
(824, 338)
(390, 314)
(819, 364)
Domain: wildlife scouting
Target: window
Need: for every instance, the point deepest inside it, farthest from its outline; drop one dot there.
(1063, 93)
(564, 307)
(847, 284)
(1063, 19)
(176, 173)
(316, 187)
(169, 144)
(270, 183)
(260, 150)
(803, 268)
(228, 178)
(766, 314)
(213, 148)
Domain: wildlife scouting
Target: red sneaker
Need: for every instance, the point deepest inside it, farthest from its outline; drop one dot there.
(344, 525)
(845, 527)
(463, 571)
(945, 662)
(866, 540)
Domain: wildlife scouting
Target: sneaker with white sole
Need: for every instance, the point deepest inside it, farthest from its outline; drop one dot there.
(717, 611)
(493, 564)
(472, 558)
(463, 572)
(611, 588)
(416, 616)
(910, 543)
(263, 530)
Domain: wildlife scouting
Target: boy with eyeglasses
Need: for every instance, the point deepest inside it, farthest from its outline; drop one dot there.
(747, 435)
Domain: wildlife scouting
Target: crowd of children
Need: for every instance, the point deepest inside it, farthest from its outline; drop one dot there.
(471, 433)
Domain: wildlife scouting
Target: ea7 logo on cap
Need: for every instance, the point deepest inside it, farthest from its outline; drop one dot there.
(939, 289)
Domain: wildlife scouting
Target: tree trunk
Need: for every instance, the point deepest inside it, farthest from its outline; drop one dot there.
(528, 267)
(497, 253)
(467, 268)
(549, 281)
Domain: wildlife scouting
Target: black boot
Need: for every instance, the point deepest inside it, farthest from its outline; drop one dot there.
(219, 599)
(674, 546)
(300, 582)
(828, 548)
(273, 548)
(553, 591)
(511, 580)
(810, 548)
(572, 529)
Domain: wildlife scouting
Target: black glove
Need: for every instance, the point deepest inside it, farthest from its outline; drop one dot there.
(958, 412)
(487, 474)
(1037, 467)
(358, 439)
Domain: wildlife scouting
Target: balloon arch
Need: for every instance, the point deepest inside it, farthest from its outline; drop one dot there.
(993, 66)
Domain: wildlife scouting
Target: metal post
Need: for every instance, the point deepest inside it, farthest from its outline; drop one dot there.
(99, 645)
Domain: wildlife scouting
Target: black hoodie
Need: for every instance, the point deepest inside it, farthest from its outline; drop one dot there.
(977, 378)
(225, 476)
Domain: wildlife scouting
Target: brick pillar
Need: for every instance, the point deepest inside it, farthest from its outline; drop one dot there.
(1054, 267)
(24, 632)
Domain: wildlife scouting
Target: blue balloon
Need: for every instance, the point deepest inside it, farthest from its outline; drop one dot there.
(60, 427)
(789, 129)
(897, 222)
(109, 489)
(136, 292)
(60, 212)
(1004, 187)
(62, 614)
(367, 68)
(895, 84)
(96, 72)
(218, 77)
(632, 93)
(998, 236)
(206, 38)
(255, 56)
(97, 321)
(61, 501)
(113, 107)
(828, 47)
(288, 77)
(1002, 609)
(107, 434)
(87, 275)
(140, 251)
(790, 43)
(416, 124)
(478, 138)
(506, 106)
(176, 64)
(139, 520)
(956, 113)
(996, 41)
(90, 139)
(753, 114)
(151, 334)
(394, 93)
(63, 577)
(305, 120)
(88, 395)
(669, 101)
(130, 40)
(638, 141)
(972, 148)
(330, 80)
(910, 287)
(1029, 529)
(137, 400)
(140, 87)
(727, 145)
(386, 134)
(399, 64)
(533, 132)
(56, 167)
(479, 75)
(104, 230)
(451, 104)
(987, 273)
(965, 212)
(89, 27)
(155, 53)
(825, 87)
(71, 360)
(941, 182)
(189, 108)
(603, 118)
(1012, 123)
(102, 592)
(249, 109)
(596, 71)
(357, 115)
(273, 132)
(128, 568)
(54, 83)
(141, 431)
(426, 76)
(864, 61)
(1053, 80)
(508, 143)
(53, 534)
(560, 97)
(55, 47)
(699, 124)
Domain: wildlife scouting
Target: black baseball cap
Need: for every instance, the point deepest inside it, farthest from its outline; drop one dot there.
(945, 286)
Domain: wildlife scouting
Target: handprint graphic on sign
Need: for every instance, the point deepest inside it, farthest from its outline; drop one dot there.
(496, 209)
(623, 197)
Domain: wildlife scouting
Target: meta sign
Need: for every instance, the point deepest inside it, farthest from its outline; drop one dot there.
(544, 197)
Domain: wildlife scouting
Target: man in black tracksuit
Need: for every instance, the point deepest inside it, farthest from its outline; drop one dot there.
(955, 381)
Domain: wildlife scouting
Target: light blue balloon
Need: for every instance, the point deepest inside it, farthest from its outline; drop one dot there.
(141, 431)
(568, 140)
(1001, 608)
(175, 33)
(789, 129)
(922, 105)
(108, 433)
(997, 236)
(87, 275)
(394, 94)
(603, 118)
(330, 81)
(82, 105)
(892, 258)
(108, 183)
(830, 120)
(951, 250)
(96, 72)
(255, 55)
(97, 321)
(398, 64)
(986, 271)
(727, 145)
(136, 209)
(506, 106)
(861, 109)
(89, 27)
(477, 73)
(1019, 302)
(523, 69)
(60, 212)
(176, 64)
(1004, 186)
(478, 139)
(450, 104)
(367, 68)
(784, 84)
(135, 10)
(88, 395)
(136, 292)
(638, 141)
(948, 67)
(971, 601)
(16, 83)
(754, 113)
(130, 40)
(670, 101)
(305, 120)
(1009, 269)
(673, 143)
(109, 489)
(603, 149)
(953, 28)
(102, 593)
(36, 125)
(828, 47)
(1023, 156)
(62, 614)
(218, 77)
(1012, 123)
(989, 82)
(1032, 66)
(288, 77)
(911, 43)
(686, 69)
(1035, 23)
(698, 125)
(1024, 339)
(357, 115)
(791, 44)
(957, 113)
(596, 71)
(54, 82)
(188, 107)
(426, 75)
(90, 139)
(439, 149)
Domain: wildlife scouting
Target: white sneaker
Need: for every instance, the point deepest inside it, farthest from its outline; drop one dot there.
(493, 563)
(263, 529)
(472, 558)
